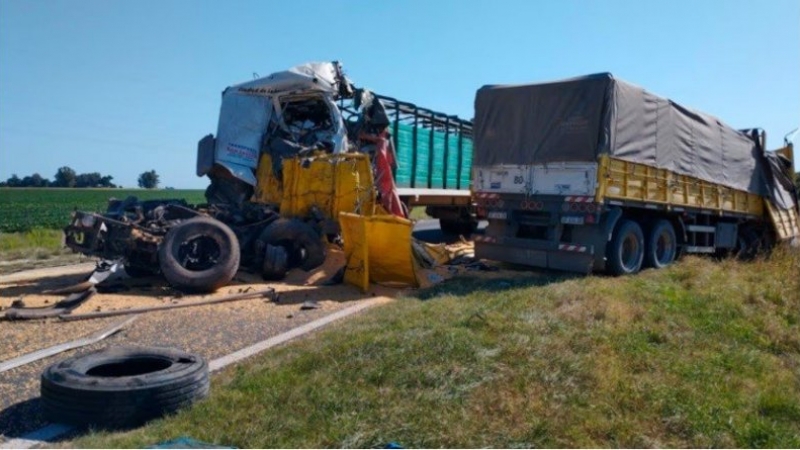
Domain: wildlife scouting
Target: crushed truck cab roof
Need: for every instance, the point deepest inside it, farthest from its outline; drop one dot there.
(250, 108)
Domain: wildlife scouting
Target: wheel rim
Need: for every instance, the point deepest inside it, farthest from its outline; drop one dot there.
(199, 253)
(629, 251)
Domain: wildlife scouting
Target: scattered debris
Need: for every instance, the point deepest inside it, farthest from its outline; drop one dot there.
(18, 311)
(50, 351)
(309, 304)
(337, 278)
(268, 293)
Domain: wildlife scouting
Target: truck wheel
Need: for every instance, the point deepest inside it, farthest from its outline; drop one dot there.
(458, 227)
(626, 249)
(275, 263)
(122, 387)
(200, 255)
(304, 247)
(661, 245)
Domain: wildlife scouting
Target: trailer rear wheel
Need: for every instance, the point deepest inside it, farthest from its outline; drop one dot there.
(626, 249)
(199, 255)
(661, 246)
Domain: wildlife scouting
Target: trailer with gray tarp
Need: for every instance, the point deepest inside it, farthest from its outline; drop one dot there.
(594, 173)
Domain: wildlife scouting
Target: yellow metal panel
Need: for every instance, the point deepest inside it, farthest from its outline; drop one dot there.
(268, 188)
(331, 183)
(354, 234)
(354, 188)
(785, 221)
(391, 260)
(377, 249)
(624, 180)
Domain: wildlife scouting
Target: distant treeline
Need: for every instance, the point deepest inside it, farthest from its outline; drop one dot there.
(64, 177)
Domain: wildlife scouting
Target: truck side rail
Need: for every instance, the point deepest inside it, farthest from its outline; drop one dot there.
(630, 181)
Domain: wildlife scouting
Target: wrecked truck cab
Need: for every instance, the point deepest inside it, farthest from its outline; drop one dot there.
(282, 114)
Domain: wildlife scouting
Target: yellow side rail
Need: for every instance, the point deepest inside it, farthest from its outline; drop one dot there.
(625, 180)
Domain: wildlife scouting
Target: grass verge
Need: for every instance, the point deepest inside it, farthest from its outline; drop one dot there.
(702, 354)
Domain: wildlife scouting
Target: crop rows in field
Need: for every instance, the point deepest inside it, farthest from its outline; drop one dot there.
(24, 209)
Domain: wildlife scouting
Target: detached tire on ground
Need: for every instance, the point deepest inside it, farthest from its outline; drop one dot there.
(626, 250)
(199, 255)
(122, 387)
(304, 247)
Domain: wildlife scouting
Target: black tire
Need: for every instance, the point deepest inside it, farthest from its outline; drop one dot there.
(626, 249)
(458, 227)
(199, 255)
(303, 245)
(122, 387)
(275, 263)
(661, 247)
(140, 272)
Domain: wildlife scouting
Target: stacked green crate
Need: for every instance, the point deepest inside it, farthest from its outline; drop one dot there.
(404, 151)
(452, 162)
(405, 158)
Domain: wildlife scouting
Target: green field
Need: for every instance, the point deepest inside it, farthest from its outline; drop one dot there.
(24, 209)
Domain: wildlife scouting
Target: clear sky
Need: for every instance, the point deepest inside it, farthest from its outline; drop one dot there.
(121, 87)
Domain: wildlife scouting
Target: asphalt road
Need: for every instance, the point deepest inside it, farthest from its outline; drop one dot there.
(226, 328)
(211, 331)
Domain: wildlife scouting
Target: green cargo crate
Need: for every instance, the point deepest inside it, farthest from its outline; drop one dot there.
(432, 168)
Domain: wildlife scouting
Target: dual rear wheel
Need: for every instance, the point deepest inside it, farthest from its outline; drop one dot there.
(629, 250)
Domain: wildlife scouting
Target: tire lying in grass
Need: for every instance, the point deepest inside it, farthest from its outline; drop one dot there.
(122, 387)
(303, 245)
(199, 255)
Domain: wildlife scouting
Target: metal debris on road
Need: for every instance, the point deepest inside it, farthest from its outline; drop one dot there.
(268, 293)
(56, 349)
(21, 312)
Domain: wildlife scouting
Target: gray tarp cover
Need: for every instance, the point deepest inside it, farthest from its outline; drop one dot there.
(581, 118)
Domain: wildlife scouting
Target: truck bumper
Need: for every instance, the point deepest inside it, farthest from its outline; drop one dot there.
(529, 252)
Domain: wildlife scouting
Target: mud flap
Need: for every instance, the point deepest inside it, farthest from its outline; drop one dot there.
(378, 249)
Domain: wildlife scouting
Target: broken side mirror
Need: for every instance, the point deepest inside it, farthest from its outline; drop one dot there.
(205, 154)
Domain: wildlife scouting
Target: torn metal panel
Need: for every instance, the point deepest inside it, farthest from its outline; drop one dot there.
(254, 112)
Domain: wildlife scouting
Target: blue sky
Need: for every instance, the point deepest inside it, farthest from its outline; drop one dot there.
(121, 87)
